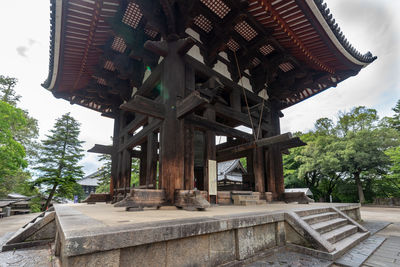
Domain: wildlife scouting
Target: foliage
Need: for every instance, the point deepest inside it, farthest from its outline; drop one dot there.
(59, 156)
(395, 120)
(18, 146)
(105, 173)
(12, 153)
(7, 93)
(35, 204)
(353, 159)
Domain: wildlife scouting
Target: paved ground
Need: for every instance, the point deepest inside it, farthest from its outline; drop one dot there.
(388, 254)
(285, 258)
(112, 216)
(37, 256)
(13, 223)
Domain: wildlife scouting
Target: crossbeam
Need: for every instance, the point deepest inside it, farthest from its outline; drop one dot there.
(141, 136)
(139, 120)
(219, 128)
(190, 104)
(151, 81)
(254, 144)
(146, 106)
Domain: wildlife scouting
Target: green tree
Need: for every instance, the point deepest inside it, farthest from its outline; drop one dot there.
(7, 92)
(28, 134)
(105, 173)
(395, 120)
(59, 156)
(12, 153)
(365, 144)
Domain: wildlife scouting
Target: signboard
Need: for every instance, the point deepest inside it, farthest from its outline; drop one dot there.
(212, 177)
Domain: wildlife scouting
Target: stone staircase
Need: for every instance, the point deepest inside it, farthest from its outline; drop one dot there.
(246, 198)
(330, 232)
(41, 230)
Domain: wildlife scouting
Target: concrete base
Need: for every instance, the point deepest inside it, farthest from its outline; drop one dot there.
(107, 236)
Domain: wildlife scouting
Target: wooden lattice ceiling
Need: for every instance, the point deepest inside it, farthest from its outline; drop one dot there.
(293, 48)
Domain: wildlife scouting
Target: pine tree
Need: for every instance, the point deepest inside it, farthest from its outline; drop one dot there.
(395, 120)
(59, 156)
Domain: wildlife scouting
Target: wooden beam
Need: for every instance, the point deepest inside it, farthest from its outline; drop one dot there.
(219, 128)
(141, 136)
(151, 81)
(101, 149)
(240, 117)
(256, 144)
(294, 142)
(190, 104)
(200, 67)
(139, 120)
(146, 106)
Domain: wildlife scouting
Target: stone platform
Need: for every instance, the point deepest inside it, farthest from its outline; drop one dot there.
(101, 234)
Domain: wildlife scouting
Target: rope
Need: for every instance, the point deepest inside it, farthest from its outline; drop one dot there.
(245, 96)
(259, 122)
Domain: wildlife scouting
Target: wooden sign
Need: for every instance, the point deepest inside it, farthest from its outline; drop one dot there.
(212, 177)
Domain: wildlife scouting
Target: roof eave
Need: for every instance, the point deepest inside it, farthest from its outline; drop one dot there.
(321, 13)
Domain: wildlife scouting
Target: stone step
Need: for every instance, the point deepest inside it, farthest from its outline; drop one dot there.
(321, 217)
(326, 226)
(344, 245)
(245, 197)
(248, 202)
(238, 199)
(338, 234)
(307, 212)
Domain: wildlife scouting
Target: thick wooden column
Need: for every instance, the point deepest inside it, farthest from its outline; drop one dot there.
(125, 159)
(249, 181)
(275, 179)
(258, 167)
(151, 164)
(172, 129)
(189, 157)
(210, 147)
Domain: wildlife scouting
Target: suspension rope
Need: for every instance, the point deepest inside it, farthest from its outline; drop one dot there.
(245, 96)
(261, 115)
(256, 136)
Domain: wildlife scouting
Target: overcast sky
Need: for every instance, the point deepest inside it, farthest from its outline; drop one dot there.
(370, 25)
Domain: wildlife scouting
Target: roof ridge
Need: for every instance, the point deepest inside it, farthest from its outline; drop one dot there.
(325, 12)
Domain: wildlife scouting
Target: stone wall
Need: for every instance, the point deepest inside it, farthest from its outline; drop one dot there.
(353, 211)
(201, 250)
(394, 201)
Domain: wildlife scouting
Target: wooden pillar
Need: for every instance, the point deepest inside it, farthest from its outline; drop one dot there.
(270, 163)
(125, 159)
(126, 170)
(258, 167)
(151, 164)
(235, 100)
(172, 129)
(273, 157)
(210, 147)
(189, 157)
(279, 179)
(114, 157)
(143, 164)
(249, 181)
